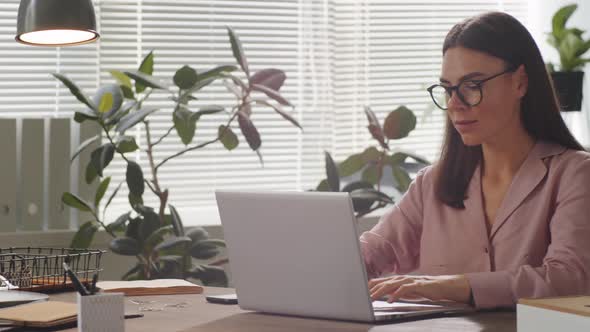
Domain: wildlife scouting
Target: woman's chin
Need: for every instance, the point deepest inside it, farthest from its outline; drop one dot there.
(471, 140)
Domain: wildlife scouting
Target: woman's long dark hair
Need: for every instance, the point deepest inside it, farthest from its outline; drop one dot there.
(502, 36)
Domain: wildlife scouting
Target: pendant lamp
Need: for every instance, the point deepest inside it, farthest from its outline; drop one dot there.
(56, 22)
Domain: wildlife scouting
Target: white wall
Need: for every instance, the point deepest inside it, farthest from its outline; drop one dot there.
(541, 12)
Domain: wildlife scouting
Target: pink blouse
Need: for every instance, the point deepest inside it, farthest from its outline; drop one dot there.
(539, 244)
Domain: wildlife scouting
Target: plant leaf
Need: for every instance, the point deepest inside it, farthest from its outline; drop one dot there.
(157, 237)
(125, 246)
(197, 234)
(249, 131)
(215, 72)
(270, 77)
(281, 112)
(109, 99)
(134, 178)
(81, 116)
(351, 165)
(375, 128)
(238, 52)
(113, 194)
(401, 177)
(101, 190)
(76, 202)
(84, 236)
(84, 145)
(146, 67)
(149, 224)
(185, 124)
(185, 77)
(173, 242)
(90, 173)
(332, 173)
(102, 157)
(144, 80)
(210, 275)
(119, 223)
(206, 249)
(176, 221)
(399, 123)
(371, 174)
(75, 90)
(106, 103)
(133, 118)
(272, 94)
(323, 186)
(227, 137)
(121, 78)
(371, 154)
(134, 200)
(127, 144)
(560, 18)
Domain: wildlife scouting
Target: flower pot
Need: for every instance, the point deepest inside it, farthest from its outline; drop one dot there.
(568, 86)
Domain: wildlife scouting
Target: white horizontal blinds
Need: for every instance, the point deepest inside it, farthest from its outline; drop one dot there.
(315, 106)
(403, 56)
(194, 33)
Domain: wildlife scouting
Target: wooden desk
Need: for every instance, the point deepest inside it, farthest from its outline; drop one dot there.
(199, 315)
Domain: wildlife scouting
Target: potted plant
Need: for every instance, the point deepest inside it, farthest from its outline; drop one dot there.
(571, 46)
(366, 193)
(156, 235)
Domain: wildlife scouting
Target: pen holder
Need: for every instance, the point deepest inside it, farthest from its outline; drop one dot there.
(103, 312)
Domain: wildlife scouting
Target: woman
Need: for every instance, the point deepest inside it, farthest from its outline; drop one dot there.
(505, 213)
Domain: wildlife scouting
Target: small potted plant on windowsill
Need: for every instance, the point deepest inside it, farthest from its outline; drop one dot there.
(571, 46)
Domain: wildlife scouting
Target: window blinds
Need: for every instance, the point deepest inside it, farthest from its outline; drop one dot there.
(339, 56)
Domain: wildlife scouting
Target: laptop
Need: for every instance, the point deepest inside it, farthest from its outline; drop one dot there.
(298, 253)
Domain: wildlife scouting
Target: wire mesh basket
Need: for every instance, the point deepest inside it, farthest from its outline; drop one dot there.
(41, 269)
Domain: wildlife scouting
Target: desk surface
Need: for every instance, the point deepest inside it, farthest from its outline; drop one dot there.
(199, 315)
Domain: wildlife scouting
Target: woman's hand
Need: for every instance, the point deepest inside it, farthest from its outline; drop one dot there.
(455, 288)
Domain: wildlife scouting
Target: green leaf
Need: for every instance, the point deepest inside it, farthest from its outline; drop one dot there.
(210, 275)
(209, 109)
(201, 84)
(399, 123)
(271, 78)
(561, 17)
(360, 204)
(157, 237)
(113, 194)
(238, 52)
(127, 144)
(146, 67)
(401, 177)
(74, 90)
(371, 174)
(133, 118)
(323, 186)
(332, 173)
(249, 131)
(197, 234)
(119, 223)
(227, 137)
(122, 78)
(371, 154)
(106, 103)
(125, 246)
(76, 202)
(149, 224)
(143, 80)
(84, 145)
(400, 157)
(351, 165)
(90, 173)
(102, 157)
(82, 116)
(174, 242)
(101, 190)
(205, 249)
(134, 178)
(129, 275)
(185, 77)
(271, 93)
(134, 200)
(185, 124)
(127, 92)
(84, 236)
(215, 72)
(176, 221)
(132, 230)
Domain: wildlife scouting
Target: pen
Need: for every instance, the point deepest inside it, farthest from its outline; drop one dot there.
(75, 281)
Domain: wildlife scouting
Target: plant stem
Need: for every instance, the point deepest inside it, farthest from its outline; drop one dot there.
(163, 196)
(163, 136)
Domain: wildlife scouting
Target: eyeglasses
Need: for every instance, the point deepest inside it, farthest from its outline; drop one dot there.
(469, 91)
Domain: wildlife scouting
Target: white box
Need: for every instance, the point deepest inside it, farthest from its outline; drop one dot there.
(103, 312)
(571, 314)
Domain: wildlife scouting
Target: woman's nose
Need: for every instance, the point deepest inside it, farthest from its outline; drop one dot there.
(455, 103)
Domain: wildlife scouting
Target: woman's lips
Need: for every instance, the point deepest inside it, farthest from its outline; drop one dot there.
(464, 125)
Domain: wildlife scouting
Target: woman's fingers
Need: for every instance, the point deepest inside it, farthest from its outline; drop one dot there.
(387, 287)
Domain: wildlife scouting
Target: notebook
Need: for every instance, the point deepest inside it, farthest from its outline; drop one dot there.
(40, 314)
(150, 287)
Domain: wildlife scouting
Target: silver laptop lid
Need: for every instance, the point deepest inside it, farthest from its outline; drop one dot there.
(295, 253)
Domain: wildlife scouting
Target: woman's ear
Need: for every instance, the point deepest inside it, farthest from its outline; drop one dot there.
(522, 81)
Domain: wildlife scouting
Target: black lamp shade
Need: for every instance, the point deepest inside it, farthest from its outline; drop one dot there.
(56, 22)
